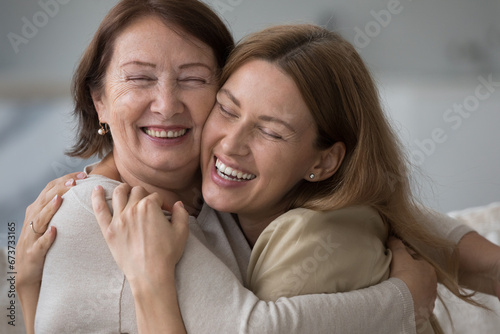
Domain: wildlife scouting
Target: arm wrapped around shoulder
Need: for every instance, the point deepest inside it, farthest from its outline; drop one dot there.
(305, 252)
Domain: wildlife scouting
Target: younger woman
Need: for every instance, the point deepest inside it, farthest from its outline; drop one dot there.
(299, 149)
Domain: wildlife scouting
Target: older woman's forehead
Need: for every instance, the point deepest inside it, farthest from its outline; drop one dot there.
(150, 37)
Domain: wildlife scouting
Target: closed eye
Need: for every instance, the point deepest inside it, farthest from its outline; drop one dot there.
(270, 134)
(192, 81)
(224, 111)
(140, 78)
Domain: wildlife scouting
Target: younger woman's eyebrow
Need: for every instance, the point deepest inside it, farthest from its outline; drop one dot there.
(230, 96)
(276, 120)
(264, 118)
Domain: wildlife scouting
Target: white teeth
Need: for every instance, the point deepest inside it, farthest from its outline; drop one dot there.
(232, 174)
(165, 134)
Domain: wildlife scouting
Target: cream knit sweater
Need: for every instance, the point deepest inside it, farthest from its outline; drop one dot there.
(83, 290)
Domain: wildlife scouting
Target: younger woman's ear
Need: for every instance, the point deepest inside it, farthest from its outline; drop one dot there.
(329, 162)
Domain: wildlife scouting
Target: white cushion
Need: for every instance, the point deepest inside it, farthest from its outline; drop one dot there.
(466, 318)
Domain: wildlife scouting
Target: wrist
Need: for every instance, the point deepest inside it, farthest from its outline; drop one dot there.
(156, 305)
(27, 289)
(478, 255)
(148, 286)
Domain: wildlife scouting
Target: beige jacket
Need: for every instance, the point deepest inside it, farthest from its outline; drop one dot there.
(308, 252)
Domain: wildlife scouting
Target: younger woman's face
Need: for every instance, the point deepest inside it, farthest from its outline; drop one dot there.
(258, 142)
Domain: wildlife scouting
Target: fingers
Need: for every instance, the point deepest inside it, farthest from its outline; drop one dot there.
(155, 199)
(395, 244)
(180, 218)
(400, 249)
(43, 244)
(139, 193)
(42, 220)
(59, 187)
(120, 197)
(179, 214)
(101, 209)
(139, 200)
(55, 188)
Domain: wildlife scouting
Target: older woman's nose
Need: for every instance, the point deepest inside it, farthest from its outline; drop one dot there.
(167, 101)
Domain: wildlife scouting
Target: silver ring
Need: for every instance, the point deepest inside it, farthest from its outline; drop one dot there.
(33, 229)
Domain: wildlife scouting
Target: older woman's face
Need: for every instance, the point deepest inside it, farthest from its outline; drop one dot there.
(257, 143)
(159, 89)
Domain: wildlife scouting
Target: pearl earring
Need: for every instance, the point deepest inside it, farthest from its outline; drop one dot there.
(312, 176)
(104, 128)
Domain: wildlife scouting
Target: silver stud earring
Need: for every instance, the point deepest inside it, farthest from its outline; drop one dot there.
(104, 128)
(312, 176)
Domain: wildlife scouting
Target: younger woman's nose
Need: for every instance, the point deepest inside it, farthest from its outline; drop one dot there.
(235, 141)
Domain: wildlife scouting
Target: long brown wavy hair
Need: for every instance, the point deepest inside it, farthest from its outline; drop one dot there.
(344, 102)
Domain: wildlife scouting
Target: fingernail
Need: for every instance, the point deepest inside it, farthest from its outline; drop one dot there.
(81, 176)
(181, 204)
(69, 182)
(98, 187)
(55, 198)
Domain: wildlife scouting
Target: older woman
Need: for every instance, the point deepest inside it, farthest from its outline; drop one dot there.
(81, 279)
(143, 90)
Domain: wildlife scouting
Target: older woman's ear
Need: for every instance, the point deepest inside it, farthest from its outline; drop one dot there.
(99, 105)
(328, 163)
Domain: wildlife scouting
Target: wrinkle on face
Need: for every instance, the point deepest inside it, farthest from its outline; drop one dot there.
(157, 79)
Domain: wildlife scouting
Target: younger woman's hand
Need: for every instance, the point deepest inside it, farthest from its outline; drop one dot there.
(35, 239)
(479, 264)
(418, 275)
(144, 243)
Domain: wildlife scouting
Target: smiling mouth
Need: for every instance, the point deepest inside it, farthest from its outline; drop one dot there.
(232, 174)
(165, 134)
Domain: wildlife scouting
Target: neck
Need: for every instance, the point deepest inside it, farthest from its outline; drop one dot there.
(181, 185)
(253, 226)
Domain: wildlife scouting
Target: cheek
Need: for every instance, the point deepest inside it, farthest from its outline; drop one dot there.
(281, 165)
(126, 106)
(202, 105)
(123, 115)
(207, 138)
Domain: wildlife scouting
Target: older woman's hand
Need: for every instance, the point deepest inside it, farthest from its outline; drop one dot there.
(418, 275)
(35, 240)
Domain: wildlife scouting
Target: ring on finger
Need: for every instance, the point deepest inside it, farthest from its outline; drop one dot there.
(33, 229)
